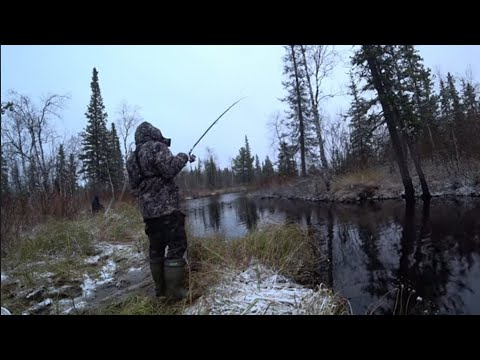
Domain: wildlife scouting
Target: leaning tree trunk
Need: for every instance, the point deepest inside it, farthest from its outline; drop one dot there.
(391, 120)
(418, 166)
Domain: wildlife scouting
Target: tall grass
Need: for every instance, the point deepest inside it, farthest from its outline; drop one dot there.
(286, 248)
(65, 238)
(58, 246)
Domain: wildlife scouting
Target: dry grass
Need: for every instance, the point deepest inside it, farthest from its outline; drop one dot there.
(287, 248)
(366, 177)
(405, 302)
(59, 246)
(137, 304)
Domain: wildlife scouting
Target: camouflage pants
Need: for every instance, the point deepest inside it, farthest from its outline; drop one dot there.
(166, 230)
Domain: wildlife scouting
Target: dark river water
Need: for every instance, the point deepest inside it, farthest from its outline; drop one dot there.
(374, 249)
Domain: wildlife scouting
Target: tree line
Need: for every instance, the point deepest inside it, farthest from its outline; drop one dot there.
(399, 112)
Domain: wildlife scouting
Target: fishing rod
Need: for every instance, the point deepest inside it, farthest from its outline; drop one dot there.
(201, 137)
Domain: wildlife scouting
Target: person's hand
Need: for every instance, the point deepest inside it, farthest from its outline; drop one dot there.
(192, 158)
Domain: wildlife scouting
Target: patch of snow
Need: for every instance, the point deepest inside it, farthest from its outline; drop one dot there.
(34, 293)
(68, 307)
(88, 286)
(134, 269)
(107, 250)
(104, 250)
(7, 280)
(92, 260)
(40, 306)
(44, 303)
(260, 290)
(5, 311)
(107, 273)
(47, 274)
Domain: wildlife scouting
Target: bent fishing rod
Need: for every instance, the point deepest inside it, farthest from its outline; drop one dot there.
(201, 137)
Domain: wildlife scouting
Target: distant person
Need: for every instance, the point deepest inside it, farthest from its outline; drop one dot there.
(151, 170)
(96, 206)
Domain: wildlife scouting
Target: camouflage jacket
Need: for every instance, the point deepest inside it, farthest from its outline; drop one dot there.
(151, 169)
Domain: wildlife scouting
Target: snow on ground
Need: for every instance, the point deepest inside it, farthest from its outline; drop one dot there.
(5, 311)
(257, 290)
(261, 291)
(38, 307)
(7, 279)
(112, 253)
(69, 307)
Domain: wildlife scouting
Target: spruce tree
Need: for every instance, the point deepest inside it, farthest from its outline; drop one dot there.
(258, 169)
(115, 158)
(72, 174)
(286, 160)
(249, 162)
(210, 173)
(362, 126)
(470, 102)
(267, 169)
(243, 164)
(95, 139)
(299, 116)
(377, 67)
(61, 175)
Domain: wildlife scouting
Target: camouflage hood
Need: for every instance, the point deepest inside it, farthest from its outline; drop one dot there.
(151, 172)
(147, 132)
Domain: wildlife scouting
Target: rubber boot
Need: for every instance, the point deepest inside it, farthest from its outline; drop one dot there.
(174, 275)
(158, 277)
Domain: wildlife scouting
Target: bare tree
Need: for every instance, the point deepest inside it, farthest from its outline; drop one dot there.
(337, 144)
(318, 62)
(27, 133)
(275, 127)
(128, 119)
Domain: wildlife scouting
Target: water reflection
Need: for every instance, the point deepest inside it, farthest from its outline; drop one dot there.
(432, 248)
(214, 209)
(247, 212)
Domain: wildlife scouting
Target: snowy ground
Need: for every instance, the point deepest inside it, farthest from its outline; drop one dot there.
(122, 270)
(261, 291)
(119, 266)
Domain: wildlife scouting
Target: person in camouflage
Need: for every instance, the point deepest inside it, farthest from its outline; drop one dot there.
(151, 171)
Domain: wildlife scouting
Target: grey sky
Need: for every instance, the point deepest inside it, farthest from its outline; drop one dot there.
(182, 89)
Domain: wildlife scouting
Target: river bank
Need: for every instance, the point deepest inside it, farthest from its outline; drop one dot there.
(197, 194)
(373, 184)
(99, 265)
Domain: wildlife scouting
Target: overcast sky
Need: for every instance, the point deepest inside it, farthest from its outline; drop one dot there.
(183, 89)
